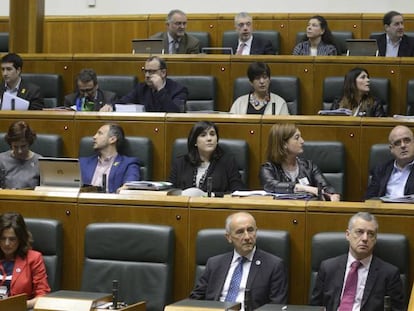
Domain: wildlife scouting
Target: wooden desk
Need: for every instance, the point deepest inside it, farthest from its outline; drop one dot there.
(14, 303)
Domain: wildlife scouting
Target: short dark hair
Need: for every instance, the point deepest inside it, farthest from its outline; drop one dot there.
(196, 130)
(257, 69)
(19, 130)
(13, 58)
(387, 19)
(117, 131)
(163, 64)
(86, 75)
(15, 221)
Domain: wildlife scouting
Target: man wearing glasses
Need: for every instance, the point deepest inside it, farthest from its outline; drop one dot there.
(175, 39)
(358, 280)
(395, 178)
(88, 96)
(247, 43)
(158, 93)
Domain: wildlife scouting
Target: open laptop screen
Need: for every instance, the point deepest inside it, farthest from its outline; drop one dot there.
(147, 46)
(362, 47)
(59, 172)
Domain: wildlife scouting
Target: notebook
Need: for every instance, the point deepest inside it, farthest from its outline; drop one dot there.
(147, 46)
(12, 102)
(59, 173)
(362, 47)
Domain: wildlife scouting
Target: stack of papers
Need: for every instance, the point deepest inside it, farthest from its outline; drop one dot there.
(148, 185)
(404, 199)
(336, 112)
(280, 196)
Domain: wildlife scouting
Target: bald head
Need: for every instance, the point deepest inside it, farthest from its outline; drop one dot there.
(401, 145)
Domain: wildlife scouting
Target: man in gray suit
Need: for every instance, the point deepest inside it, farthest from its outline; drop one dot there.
(263, 273)
(374, 279)
(175, 39)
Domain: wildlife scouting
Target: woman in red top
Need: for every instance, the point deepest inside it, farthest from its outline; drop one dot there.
(22, 270)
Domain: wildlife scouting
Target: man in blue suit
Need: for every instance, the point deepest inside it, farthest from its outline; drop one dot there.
(263, 273)
(107, 168)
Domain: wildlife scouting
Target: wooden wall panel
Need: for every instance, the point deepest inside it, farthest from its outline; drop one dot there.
(115, 210)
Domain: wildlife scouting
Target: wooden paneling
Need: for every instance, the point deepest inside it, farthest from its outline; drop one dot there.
(60, 206)
(170, 211)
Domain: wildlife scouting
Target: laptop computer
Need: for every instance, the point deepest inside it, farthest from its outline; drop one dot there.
(217, 50)
(59, 173)
(12, 102)
(362, 47)
(147, 46)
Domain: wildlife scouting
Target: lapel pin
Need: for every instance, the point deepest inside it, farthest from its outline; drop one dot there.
(258, 262)
(18, 270)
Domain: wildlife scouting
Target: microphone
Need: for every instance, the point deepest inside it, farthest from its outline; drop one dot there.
(13, 104)
(273, 108)
(209, 186)
(114, 295)
(103, 183)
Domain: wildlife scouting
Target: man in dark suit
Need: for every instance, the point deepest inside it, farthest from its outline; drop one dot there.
(108, 168)
(372, 277)
(11, 69)
(264, 274)
(157, 93)
(175, 39)
(394, 42)
(247, 43)
(88, 96)
(395, 178)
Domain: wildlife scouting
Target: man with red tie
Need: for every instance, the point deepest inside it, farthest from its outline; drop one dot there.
(358, 280)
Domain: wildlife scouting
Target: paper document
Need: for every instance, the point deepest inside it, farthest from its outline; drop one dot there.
(12, 102)
(148, 185)
(336, 112)
(404, 199)
(129, 108)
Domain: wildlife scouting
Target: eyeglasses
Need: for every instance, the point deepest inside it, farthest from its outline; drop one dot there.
(370, 234)
(241, 25)
(11, 239)
(150, 71)
(405, 140)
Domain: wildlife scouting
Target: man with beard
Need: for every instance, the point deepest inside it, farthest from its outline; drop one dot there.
(107, 168)
(158, 93)
(263, 273)
(175, 39)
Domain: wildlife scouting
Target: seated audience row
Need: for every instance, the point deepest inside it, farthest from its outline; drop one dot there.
(160, 93)
(206, 169)
(245, 271)
(318, 39)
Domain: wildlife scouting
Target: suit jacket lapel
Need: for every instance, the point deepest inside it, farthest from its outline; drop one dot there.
(254, 268)
(339, 280)
(19, 266)
(371, 279)
(222, 272)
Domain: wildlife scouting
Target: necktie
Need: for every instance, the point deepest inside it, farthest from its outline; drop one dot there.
(348, 297)
(235, 281)
(241, 48)
(175, 44)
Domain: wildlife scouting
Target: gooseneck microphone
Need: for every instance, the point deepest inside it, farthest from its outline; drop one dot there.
(209, 186)
(114, 295)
